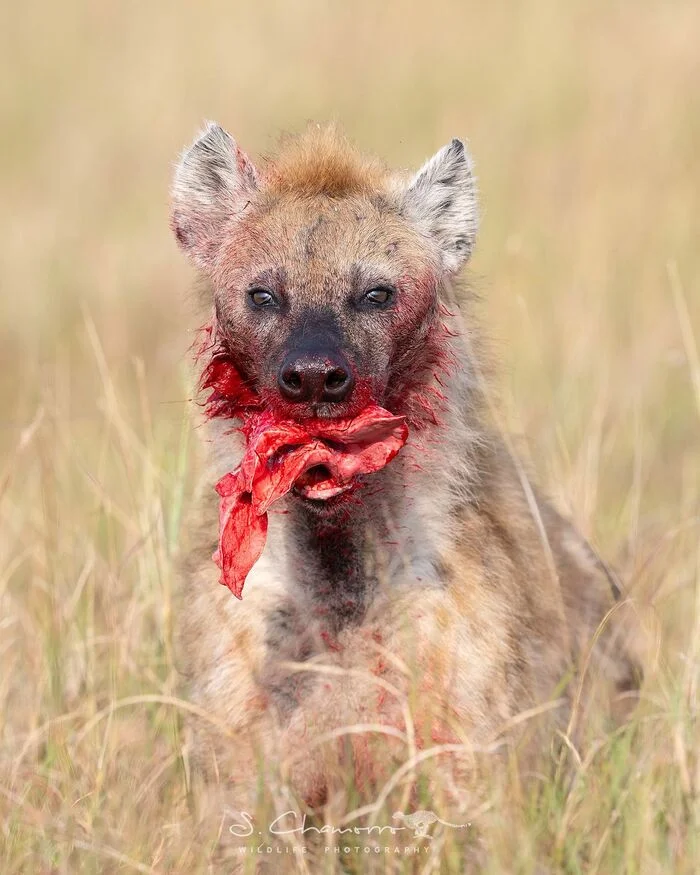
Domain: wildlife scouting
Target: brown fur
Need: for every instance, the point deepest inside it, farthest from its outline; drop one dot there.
(451, 600)
(322, 162)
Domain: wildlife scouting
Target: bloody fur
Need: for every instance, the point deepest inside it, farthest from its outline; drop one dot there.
(412, 394)
(281, 454)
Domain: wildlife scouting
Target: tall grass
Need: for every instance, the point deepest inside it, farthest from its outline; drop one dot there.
(584, 120)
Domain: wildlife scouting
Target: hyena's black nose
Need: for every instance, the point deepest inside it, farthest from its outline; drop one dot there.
(315, 377)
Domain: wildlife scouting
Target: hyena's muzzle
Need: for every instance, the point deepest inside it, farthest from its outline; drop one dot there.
(315, 370)
(319, 369)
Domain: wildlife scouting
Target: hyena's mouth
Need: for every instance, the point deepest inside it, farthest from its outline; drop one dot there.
(319, 484)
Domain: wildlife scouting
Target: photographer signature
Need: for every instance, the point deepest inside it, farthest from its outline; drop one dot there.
(419, 822)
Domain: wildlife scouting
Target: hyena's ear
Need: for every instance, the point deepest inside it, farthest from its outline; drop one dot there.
(213, 182)
(442, 200)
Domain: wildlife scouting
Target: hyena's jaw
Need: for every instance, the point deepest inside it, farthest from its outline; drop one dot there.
(305, 488)
(339, 505)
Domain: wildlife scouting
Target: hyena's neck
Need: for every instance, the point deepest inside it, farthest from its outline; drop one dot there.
(330, 562)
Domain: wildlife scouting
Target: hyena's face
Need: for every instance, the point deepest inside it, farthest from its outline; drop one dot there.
(326, 270)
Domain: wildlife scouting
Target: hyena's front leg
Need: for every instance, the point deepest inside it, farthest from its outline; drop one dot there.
(227, 774)
(231, 730)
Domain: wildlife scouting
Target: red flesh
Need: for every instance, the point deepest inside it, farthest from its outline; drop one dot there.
(279, 455)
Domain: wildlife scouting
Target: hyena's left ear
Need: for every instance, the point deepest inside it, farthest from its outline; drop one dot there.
(213, 182)
(442, 200)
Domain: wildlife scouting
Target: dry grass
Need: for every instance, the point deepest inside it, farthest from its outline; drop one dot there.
(584, 119)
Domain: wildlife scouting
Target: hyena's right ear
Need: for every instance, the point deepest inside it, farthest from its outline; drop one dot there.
(213, 182)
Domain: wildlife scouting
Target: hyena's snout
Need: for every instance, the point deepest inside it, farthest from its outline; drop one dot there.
(316, 373)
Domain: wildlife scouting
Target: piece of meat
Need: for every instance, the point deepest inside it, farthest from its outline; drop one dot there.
(321, 457)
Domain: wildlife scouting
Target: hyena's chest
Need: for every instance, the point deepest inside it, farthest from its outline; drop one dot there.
(411, 666)
(342, 707)
(366, 701)
(319, 657)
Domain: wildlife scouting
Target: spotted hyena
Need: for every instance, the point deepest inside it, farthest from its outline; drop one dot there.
(443, 596)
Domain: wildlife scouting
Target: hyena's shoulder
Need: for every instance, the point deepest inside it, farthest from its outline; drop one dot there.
(529, 581)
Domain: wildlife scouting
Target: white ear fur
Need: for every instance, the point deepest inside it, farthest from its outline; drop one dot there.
(442, 200)
(213, 182)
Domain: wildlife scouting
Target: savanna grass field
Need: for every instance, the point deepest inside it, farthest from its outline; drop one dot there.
(584, 122)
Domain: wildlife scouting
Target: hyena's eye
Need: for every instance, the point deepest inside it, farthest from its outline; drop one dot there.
(261, 298)
(379, 297)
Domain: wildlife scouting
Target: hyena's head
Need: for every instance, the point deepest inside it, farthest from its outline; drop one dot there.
(326, 268)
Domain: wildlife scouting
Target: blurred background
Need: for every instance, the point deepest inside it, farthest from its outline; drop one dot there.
(583, 118)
